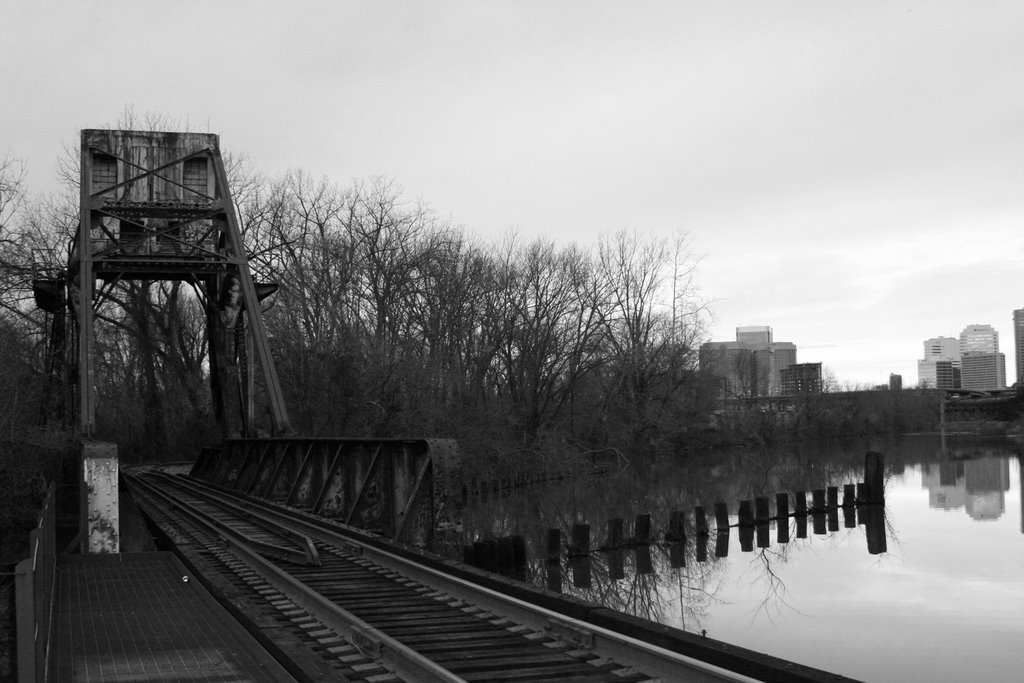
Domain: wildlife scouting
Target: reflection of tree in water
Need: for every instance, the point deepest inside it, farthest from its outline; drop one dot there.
(668, 595)
(681, 596)
(774, 602)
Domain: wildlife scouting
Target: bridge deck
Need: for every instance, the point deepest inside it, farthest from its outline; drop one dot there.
(131, 617)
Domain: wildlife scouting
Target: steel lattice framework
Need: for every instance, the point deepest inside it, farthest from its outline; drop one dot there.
(157, 206)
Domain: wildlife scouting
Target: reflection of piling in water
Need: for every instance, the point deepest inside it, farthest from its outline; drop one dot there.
(580, 546)
(832, 507)
(642, 529)
(746, 526)
(580, 568)
(676, 527)
(862, 503)
(614, 539)
(874, 477)
(874, 527)
(800, 512)
(818, 511)
(761, 516)
(616, 565)
(506, 555)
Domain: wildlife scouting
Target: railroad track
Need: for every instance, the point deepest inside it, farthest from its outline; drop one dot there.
(388, 617)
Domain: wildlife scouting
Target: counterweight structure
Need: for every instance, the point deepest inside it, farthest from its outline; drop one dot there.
(156, 206)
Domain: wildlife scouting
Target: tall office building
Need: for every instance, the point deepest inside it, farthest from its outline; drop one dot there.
(983, 371)
(1018, 345)
(981, 365)
(750, 366)
(754, 335)
(942, 348)
(979, 339)
(940, 367)
(732, 364)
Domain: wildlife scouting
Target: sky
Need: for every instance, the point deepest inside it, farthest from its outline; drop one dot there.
(849, 173)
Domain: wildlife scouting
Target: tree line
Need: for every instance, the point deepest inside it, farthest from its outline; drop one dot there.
(388, 321)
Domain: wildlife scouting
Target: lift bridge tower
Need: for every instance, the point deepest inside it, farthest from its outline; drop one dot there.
(154, 207)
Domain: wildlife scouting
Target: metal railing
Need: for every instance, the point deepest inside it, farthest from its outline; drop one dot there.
(34, 587)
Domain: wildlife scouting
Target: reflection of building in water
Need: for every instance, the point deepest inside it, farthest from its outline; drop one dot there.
(978, 486)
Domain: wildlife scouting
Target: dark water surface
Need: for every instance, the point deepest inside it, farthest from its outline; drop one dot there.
(944, 602)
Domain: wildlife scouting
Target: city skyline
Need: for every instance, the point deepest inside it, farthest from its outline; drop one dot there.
(849, 172)
(970, 361)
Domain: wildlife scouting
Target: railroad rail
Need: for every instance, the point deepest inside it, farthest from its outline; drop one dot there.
(417, 621)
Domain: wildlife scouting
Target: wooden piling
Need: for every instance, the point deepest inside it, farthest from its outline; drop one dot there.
(849, 495)
(746, 514)
(800, 512)
(761, 513)
(614, 539)
(701, 521)
(554, 544)
(721, 516)
(832, 497)
(849, 517)
(506, 557)
(874, 476)
(818, 500)
(519, 559)
(818, 521)
(782, 505)
(676, 527)
(782, 516)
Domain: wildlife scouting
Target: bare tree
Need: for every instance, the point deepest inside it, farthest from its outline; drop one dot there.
(652, 322)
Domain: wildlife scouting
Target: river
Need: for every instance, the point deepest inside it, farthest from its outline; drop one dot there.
(942, 601)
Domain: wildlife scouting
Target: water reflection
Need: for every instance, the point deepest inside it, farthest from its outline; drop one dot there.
(977, 486)
(810, 576)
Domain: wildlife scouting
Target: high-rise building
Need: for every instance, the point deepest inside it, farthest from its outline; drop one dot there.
(942, 348)
(895, 382)
(940, 367)
(981, 365)
(754, 335)
(751, 365)
(732, 364)
(1018, 344)
(983, 371)
(771, 359)
(979, 339)
(938, 374)
(800, 379)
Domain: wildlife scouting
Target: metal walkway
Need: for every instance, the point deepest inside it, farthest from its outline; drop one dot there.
(137, 617)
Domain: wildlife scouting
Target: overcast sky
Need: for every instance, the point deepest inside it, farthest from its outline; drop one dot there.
(852, 173)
